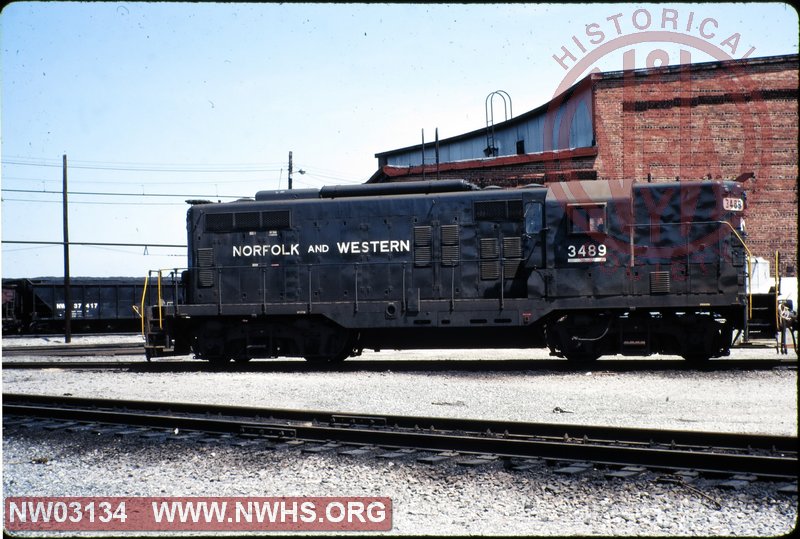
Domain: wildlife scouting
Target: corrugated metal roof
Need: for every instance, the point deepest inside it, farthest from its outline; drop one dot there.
(541, 128)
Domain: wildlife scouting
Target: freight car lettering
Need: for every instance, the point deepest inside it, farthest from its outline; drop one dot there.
(374, 246)
(78, 306)
(318, 248)
(267, 250)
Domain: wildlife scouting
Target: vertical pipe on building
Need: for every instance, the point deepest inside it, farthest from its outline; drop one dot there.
(437, 153)
(423, 154)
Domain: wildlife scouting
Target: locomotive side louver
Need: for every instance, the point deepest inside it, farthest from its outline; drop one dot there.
(510, 268)
(205, 261)
(512, 256)
(450, 247)
(659, 282)
(490, 262)
(512, 247)
(489, 248)
(422, 246)
(490, 269)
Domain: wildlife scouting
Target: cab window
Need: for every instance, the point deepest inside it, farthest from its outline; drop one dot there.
(587, 219)
(533, 218)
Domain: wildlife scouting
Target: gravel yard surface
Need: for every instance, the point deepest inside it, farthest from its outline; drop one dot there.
(439, 499)
(762, 401)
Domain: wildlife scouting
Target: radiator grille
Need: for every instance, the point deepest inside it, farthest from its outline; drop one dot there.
(246, 220)
(250, 220)
(219, 222)
(499, 210)
(275, 219)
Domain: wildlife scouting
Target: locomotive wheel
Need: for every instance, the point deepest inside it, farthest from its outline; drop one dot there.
(704, 339)
(581, 356)
(218, 361)
(339, 347)
(576, 338)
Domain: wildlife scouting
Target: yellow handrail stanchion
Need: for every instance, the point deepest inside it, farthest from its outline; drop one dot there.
(777, 288)
(749, 271)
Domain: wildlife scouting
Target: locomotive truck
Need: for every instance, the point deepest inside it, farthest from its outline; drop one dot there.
(585, 268)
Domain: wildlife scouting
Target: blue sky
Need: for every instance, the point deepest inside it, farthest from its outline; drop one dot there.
(202, 99)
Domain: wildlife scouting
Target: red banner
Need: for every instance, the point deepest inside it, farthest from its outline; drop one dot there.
(28, 513)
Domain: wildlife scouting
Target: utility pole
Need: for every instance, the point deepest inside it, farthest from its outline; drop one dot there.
(290, 170)
(67, 290)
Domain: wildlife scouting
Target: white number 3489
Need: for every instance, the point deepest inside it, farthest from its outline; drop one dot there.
(586, 251)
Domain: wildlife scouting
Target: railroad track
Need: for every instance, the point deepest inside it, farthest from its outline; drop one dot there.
(76, 350)
(763, 456)
(427, 365)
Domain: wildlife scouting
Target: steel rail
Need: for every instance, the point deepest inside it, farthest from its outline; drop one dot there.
(76, 349)
(765, 456)
(379, 365)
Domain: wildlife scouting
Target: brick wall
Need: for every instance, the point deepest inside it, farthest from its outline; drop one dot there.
(720, 123)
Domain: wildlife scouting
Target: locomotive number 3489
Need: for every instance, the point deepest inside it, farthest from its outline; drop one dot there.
(586, 253)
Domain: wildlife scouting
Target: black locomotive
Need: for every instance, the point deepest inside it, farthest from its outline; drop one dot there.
(585, 268)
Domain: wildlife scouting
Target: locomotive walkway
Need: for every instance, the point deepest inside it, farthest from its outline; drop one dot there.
(763, 456)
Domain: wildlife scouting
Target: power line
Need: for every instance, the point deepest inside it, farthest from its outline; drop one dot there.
(173, 167)
(93, 244)
(92, 193)
(84, 202)
(159, 181)
(144, 167)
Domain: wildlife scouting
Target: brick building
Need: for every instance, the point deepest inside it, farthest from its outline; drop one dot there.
(734, 119)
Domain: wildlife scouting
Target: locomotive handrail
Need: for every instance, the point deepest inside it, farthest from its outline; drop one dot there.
(749, 270)
(159, 298)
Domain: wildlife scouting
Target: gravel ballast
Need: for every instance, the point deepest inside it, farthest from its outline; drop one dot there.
(762, 401)
(438, 499)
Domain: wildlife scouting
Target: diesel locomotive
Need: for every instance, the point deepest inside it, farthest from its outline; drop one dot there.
(585, 268)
